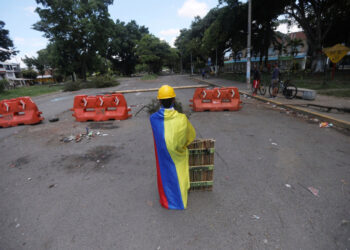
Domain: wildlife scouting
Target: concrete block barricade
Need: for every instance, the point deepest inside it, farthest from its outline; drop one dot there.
(306, 94)
(100, 108)
(216, 99)
(19, 111)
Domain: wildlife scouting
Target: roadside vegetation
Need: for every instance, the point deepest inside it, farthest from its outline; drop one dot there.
(104, 81)
(30, 91)
(149, 77)
(36, 90)
(125, 49)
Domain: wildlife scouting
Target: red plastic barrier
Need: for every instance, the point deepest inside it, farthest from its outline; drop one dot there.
(18, 111)
(100, 108)
(217, 99)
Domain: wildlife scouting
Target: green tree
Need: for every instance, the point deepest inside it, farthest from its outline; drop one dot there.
(280, 43)
(181, 43)
(79, 30)
(6, 45)
(172, 60)
(122, 45)
(29, 73)
(190, 42)
(229, 31)
(41, 62)
(220, 37)
(152, 52)
(339, 31)
(294, 45)
(317, 18)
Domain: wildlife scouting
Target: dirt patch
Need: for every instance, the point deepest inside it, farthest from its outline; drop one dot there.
(102, 125)
(100, 153)
(94, 159)
(18, 163)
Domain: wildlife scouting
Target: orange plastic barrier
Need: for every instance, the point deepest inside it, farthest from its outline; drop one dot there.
(18, 111)
(100, 108)
(216, 99)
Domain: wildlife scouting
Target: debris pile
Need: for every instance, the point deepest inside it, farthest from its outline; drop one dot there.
(79, 137)
(325, 125)
(302, 116)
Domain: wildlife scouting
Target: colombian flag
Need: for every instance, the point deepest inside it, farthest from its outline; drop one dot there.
(172, 133)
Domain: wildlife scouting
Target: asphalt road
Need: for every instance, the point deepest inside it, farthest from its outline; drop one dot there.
(101, 193)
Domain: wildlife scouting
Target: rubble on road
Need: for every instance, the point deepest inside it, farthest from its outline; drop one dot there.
(325, 125)
(81, 136)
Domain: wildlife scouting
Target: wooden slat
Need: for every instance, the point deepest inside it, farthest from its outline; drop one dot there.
(201, 184)
(202, 167)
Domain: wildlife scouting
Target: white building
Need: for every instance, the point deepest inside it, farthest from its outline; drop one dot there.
(12, 73)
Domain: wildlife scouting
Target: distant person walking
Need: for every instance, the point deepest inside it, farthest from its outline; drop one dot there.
(256, 79)
(275, 79)
(203, 73)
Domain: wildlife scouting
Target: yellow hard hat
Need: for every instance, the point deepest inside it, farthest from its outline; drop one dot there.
(166, 92)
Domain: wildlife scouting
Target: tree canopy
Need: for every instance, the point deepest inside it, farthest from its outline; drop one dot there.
(224, 28)
(6, 45)
(122, 43)
(84, 39)
(79, 30)
(152, 52)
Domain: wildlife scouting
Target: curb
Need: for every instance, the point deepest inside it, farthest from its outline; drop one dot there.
(338, 122)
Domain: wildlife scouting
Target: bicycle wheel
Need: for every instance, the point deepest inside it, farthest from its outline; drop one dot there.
(262, 89)
(290, 91)
(271, 87)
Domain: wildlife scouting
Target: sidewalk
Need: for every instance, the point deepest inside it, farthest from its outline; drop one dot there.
(298, 104)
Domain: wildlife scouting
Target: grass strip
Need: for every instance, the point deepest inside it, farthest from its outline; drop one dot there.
(30, 91)
(149, 77)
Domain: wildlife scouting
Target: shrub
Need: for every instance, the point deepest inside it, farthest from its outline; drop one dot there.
(149, 77)
(29, 73)
(104, 81)
(154, 105)
(72, 86)
(141, 68)
(4, 84)
(93, 82)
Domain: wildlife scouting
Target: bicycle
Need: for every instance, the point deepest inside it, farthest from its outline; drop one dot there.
(260, 87)
(288, 89)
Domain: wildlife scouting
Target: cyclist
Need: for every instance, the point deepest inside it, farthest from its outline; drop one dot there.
(275, 79)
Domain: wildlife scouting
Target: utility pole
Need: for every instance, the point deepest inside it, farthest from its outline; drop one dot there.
(248, 42)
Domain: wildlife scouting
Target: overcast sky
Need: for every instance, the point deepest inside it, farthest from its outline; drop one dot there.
(164, 19)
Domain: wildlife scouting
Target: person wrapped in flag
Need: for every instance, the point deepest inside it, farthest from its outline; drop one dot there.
(172, 133)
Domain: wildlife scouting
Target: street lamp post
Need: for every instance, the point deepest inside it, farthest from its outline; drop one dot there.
(248, 42)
